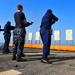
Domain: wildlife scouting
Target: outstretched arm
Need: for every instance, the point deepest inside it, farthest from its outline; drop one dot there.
(54, 18)
(27, 23)
(1, 29)
(52, 22)
(12, 27)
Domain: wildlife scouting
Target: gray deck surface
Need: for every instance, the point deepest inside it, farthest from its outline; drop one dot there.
(63, 63)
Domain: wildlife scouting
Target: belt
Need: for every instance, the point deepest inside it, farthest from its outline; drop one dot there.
(6, 33)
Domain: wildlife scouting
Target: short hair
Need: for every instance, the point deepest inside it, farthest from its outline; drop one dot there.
(49, 11)
(8, 22)
(19, 6)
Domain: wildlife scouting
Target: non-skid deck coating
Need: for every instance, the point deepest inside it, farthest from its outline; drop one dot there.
(63, 63)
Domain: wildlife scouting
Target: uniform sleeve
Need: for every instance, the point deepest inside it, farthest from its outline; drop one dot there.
(54, 17)
(27, 24)
(1, 29)
(14, 17)
(52, 22)
(23, 16)
(12, 27)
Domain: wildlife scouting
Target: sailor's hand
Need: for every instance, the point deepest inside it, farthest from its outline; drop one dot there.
(31, 23)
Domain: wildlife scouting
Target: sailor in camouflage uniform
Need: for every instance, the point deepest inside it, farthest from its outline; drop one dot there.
(19, 33)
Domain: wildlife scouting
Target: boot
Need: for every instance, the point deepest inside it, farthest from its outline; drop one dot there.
(22, 55)
(14, 57)
(45, 60)
(19, 59)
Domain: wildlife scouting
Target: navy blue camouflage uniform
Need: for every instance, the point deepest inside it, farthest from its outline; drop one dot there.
(46, 32)
(19, 33)
(18, 40)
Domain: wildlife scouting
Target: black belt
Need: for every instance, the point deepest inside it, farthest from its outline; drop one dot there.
(19, 27)
(6, 33)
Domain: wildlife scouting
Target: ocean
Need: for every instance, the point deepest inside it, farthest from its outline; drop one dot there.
(1, 44)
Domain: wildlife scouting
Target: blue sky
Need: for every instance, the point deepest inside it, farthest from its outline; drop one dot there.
(35, 9)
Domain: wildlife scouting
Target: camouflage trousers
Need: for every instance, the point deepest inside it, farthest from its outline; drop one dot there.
(18, 40)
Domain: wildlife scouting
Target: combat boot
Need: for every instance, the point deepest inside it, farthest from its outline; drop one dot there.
(19, 59)
(22, 55)
(14, 57)
(46, 61)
